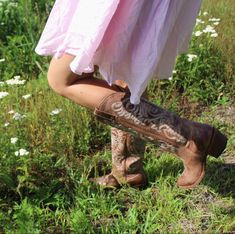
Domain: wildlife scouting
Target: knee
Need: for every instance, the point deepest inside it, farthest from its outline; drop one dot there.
(54, 82)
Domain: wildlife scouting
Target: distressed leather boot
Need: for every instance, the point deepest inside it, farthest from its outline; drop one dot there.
(190, 141)
(127, 161)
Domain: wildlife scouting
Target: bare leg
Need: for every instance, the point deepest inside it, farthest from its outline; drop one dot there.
(127, 158)
(89, 92)
(190, 141)
(83, 90)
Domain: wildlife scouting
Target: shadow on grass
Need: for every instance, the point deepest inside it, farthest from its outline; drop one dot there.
(219, 176)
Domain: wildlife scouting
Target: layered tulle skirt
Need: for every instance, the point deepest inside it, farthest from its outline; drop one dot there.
(130, 40)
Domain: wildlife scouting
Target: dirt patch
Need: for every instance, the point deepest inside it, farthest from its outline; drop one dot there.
(226, 115)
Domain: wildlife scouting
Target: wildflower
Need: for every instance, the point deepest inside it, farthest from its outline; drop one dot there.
(214, 34)
(14, 140)
(198, 33)
(11, 112)
(174, 71)
(199, 21)
(18, 116)
(6, 124)
(214, 19)
(56, 112)
(15, 81)
(216, 23)
(205, 13)
(27, 96)
(191, 57)
(2, 60)
(170, 78)
(3, 94)
(21, 152)
(209, 29)
(1, 83)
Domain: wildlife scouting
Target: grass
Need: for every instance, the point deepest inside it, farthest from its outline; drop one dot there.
(48, 191)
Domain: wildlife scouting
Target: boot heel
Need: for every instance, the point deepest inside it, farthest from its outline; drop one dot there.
(217, 144)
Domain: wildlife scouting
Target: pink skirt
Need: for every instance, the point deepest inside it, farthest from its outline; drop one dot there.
(130, 40)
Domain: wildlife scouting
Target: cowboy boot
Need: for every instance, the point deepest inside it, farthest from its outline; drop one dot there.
(190, 141)
(127, 161)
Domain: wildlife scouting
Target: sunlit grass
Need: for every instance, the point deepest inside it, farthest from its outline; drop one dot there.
(50, 147)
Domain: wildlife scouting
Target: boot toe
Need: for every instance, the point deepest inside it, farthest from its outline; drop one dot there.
(106, 181)
(187, 181)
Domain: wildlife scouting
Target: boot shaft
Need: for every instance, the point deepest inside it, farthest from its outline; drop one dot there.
(160, 126)
(127, 152)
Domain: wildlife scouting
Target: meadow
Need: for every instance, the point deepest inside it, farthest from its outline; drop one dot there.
(50, 147)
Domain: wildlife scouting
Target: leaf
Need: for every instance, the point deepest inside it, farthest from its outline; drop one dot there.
(7, 180)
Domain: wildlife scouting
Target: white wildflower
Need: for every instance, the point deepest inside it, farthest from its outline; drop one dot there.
(170, 78)
(21, 152)
(216, 23)
(191, 57)
(2, 83)
(27, 96)
(14, 140)
(6, 124)
(199, 21)
(15, 81)
(205, 13)
(56, 112)
(18, 116)
(198, 33)
(214, 34)
(174, 71)
(3, 94)
(11, 112)
(2, 60)
(214, 19)
(209, 29)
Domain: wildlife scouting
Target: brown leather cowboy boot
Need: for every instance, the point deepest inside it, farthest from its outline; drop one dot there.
(127, 161)
(191, 141)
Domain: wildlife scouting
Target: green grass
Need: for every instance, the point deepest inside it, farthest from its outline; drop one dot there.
(48, 191)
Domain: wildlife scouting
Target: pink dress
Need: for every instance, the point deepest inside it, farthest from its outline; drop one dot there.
(130, 40)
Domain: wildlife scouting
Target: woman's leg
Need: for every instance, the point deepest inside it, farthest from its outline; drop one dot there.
(89, 92)
(127, 157)
(191, 141)
(83, 90)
